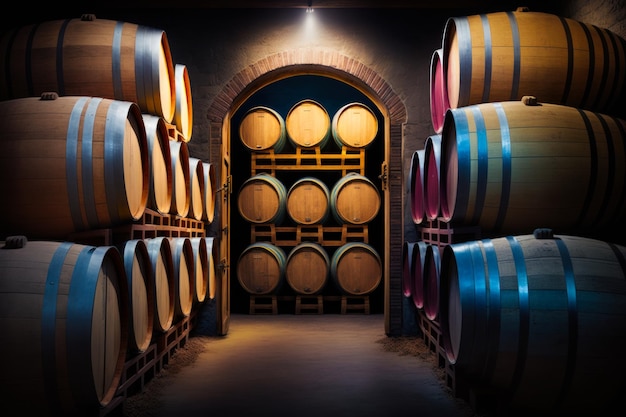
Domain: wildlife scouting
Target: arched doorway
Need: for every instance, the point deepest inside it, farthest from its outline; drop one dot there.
(393, 114)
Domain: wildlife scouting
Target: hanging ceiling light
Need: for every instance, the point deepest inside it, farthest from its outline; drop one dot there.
(309, 8)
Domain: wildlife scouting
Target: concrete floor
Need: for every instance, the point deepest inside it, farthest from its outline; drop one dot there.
(306, 365)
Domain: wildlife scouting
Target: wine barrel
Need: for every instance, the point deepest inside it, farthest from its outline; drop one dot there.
(181, 178)
(210, 191)
(356, 268)
(432, 163)
(532, 317)
(416, 186)
(407, 268)
(201, 268)
(93, 174)
(90, 57)
(504, 56)
(307, 268)
(262, 199)
(160, 162)
(417, 279)
(162, 262)
(354, 125)
(212, 249)
(308, 124)
(138, 268)
(183, 109)
(263, 128)
(196, 189)
(431, 277)
(354, 199)
(511, 167)
(183, 275)
(438, 94)
(308, 201)
(261, 268)
(65, 326)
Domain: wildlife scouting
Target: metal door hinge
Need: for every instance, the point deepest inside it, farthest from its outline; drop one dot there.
(227, 187)
(383, 177)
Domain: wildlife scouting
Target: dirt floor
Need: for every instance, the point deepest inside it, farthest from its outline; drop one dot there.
(151, 401)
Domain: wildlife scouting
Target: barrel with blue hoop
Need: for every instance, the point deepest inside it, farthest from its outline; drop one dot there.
(531, 317)
(504, 56)
(510, 167)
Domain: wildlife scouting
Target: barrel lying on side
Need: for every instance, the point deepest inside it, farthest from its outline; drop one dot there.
(416, 186)
(513, 166)
(308, 124)
(162, 261)
(308, 201)
(356, 268)
(506, 55)
(93, 174)
(160, 157)
(65, 326)
(354, 125)
(262, 199)
(307, 268)
(263, 128)
(139, 277)
(261, 268)
(354, 199)
(533, 316)
(90, 57)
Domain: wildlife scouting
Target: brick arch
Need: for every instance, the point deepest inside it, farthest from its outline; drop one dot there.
(334, 64)
(331, 61)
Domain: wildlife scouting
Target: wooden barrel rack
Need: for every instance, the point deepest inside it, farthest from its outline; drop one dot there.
(141, 368)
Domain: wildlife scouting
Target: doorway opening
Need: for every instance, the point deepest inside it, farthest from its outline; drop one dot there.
(283, 97)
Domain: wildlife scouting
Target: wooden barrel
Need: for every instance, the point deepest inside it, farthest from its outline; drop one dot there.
(183, 109)
(308, 124)
(407, 268)
(210, 191)
(308, 201)
(417, 279)
(183, 275)
(263, 128)
(212, 249)
(65, 326)
(90, 57)
(356, 268)
(181, 179)
(159, 155)
(532, 318)
(510, 168)
(432, 162)
(262, 199)
(413, 254)
(196, 189)
(201, 268)
(261, 268)
(354, 125)
(93, 174)
(438, 94)
(431, 277)
(162, 262)
(504, 56)
(416, 186)
(139, 274)
(354, 199)
(307, 268)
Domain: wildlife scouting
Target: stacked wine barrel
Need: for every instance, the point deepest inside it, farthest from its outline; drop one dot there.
(271, 198)
(104, 251)
(517, 196)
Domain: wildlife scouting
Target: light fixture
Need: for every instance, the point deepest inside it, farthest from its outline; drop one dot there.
(309, 8)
